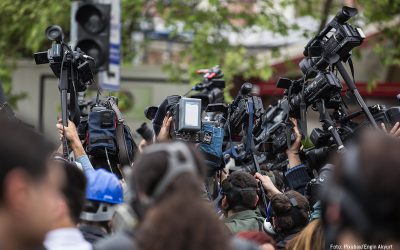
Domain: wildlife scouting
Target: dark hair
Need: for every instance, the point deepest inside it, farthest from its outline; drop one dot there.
(287, 216)
(73, 189)
(369, 175)
(21, 147)
(238, 199)
(179, 219)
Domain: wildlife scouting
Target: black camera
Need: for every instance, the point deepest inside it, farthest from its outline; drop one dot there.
(210, 92)
(211, 89)
(276, 128)
(325, 86)
(245, 111)
(74, 71)
(146, 133)
(332, 44)
(60, 56)
(313, 188)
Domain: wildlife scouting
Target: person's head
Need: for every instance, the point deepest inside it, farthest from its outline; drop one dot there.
(289, 212)
(261, 239)
(27, 189)
(311, 237)
(72, 185)
(104, 190)
(239, 192)
(166, 186)
(362, 201)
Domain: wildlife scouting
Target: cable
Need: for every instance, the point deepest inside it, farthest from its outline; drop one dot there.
(108, 160)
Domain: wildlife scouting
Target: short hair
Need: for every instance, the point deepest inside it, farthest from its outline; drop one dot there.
(21, 147)
(74, 188)
(239, 200)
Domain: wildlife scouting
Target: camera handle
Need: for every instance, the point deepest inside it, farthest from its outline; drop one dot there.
(250, 145)
(350, 83)
(327, 122)
(63, 85)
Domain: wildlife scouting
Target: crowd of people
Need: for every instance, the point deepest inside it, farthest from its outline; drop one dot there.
(163, 200)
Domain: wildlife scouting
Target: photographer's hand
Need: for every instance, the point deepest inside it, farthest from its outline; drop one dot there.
(269, 187)
(71, 134)
(293, 152)
(164, 131)
(395, 131)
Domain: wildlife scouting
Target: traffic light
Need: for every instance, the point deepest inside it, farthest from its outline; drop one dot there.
(93, 31)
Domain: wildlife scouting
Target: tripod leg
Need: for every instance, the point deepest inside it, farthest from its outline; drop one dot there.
(350, 83)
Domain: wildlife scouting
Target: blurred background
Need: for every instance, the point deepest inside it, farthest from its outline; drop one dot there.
(162, 43)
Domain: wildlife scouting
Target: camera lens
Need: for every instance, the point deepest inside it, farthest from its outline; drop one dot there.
(55, 33)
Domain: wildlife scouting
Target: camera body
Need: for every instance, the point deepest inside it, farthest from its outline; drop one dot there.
(60, 56)
(325, 86)
(241, 108)
(210, 91)
(146, 133)
(333, 43)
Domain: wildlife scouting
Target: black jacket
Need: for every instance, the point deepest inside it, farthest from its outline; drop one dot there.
(282, 239)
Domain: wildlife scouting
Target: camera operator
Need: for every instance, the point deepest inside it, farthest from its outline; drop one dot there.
(64, 233)
(296, 176)
(361, 202)
(28, 191)
(103, 193)
(288, 211)
(239, 203)
(166, 189)
(80, 156)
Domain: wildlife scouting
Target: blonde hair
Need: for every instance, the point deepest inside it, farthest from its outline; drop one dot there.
(311, 238)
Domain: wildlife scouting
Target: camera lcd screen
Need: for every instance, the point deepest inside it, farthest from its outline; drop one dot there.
(191, 114)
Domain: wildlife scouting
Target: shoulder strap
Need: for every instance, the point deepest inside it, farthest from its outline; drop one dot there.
(123, 154)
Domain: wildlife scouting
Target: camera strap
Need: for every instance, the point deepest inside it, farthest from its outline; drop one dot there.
(303, 111)
(123, 154)
(249, 139)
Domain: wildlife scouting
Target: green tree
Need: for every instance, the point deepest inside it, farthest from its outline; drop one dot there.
(210, 22)
(22, 25)
(385, 14)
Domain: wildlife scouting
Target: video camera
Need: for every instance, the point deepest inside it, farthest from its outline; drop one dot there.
(245, 112)
(146, 133)
(211, 89)
(74, 70)
(61, 57)
(325, 86)
(332, 44)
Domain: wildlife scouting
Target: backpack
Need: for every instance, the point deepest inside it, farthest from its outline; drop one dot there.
(107, 133)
